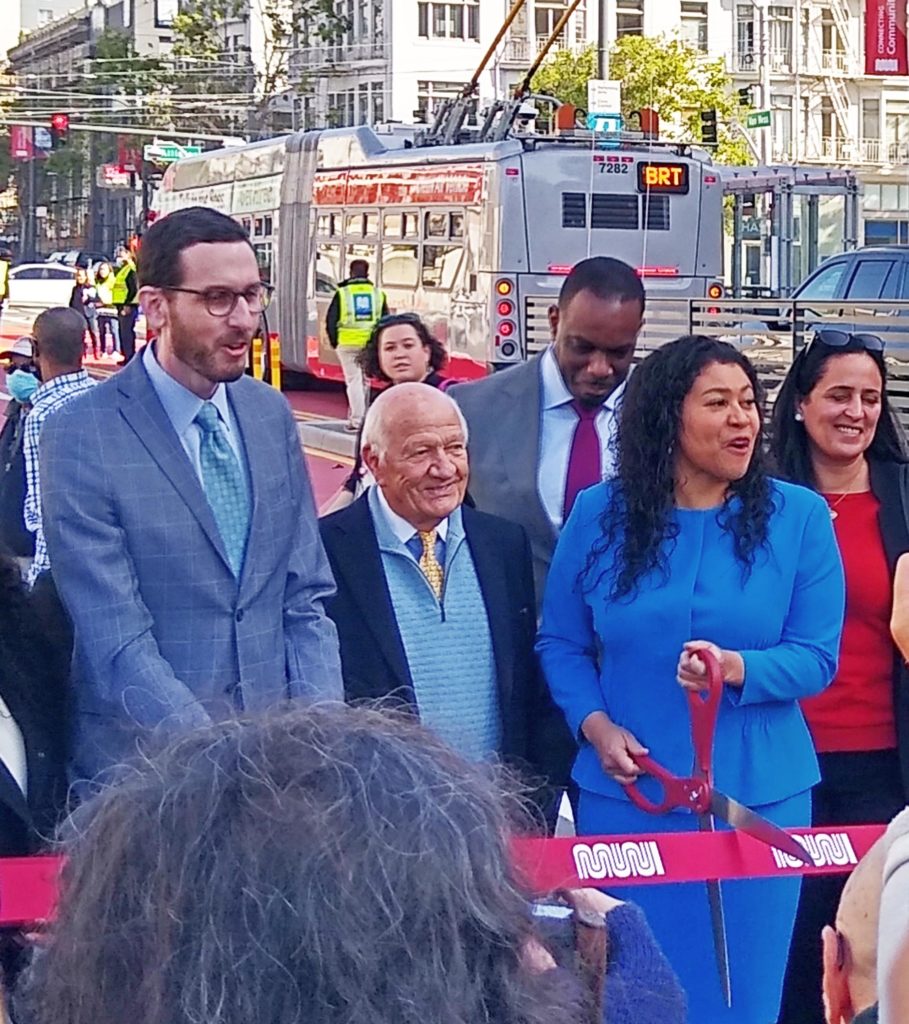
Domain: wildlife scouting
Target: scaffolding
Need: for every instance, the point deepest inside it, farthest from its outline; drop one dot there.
(786, 202)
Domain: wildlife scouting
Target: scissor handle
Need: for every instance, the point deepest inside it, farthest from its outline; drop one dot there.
(677, 792)
(705, 707)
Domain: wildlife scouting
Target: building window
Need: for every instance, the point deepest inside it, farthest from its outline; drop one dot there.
(744, 37)
(629, 18)
(363, 103)
(546, 16)
(780, 37)
(448, 21)
(782, 126)
(45, 17)
(431, 94)
(897, 126)
(694, 25)
(871, 119)
(378, 102)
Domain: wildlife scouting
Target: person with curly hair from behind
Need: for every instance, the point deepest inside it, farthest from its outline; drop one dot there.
(694, 547)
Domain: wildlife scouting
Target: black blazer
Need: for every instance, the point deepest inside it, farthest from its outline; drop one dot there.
(36, 699)
(373, 662)
(890, 485)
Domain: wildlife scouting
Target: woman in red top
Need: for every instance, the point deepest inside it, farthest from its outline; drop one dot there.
(834, 431)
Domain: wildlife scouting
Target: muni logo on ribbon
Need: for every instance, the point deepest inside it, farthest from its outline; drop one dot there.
(618, 860)
(826, 849)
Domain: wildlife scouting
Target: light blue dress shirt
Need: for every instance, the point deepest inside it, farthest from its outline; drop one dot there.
(182, 406)
(557, 432)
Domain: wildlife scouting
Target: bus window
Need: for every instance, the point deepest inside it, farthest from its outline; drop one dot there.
(371, 224)
(440, 264)
(327, 225)
(457, 225)
(353, 228)
(328, 267)
(400, 266)
(263, 252)
(391, 225)
(258, 227)
(411, 225)
(268, 227)
(437, 225)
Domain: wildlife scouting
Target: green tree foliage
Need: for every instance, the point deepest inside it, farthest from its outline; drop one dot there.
(565, 75)
(204, 62)
(664, 73)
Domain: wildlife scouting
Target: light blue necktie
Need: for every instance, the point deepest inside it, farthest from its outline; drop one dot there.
(225, 484)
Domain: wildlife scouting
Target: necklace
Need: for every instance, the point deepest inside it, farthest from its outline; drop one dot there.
(845, 494)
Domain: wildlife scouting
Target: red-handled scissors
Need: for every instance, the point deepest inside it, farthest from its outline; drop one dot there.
(696, 793)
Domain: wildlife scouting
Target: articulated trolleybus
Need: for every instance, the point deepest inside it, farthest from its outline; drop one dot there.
(476, 236)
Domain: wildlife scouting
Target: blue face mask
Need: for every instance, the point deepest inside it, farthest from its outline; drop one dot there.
(22, 385)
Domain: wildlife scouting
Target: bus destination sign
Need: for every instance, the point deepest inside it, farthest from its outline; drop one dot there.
(663, 177)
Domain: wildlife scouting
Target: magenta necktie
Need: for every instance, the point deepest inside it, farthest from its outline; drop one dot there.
(584, 461)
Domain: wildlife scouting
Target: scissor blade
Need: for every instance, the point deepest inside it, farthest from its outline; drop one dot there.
(718, 924)
(717, 920)
(745, 820)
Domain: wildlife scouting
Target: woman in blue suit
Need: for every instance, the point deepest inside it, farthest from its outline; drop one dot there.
(693, 546)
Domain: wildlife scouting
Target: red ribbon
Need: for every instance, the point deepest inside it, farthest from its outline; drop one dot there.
(28, 885)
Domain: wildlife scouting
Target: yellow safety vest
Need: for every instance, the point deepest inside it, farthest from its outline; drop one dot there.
(4, 278)
(120, 290)
(361, 307)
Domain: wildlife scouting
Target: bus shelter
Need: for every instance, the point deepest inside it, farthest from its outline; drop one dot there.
(784, 221)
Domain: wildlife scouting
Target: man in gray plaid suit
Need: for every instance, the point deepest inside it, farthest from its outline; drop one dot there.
(179, 515)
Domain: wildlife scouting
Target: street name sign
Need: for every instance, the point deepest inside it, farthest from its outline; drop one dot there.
(758, 119)
(166, 152)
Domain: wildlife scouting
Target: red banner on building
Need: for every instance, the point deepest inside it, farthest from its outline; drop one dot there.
(21, 142)
(885, 37)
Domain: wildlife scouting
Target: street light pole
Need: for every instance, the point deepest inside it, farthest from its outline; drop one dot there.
(603, 40)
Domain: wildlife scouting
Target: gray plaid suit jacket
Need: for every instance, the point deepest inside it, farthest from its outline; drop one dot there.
(166, 637)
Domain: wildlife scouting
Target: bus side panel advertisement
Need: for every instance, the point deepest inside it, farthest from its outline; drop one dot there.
(391, 186)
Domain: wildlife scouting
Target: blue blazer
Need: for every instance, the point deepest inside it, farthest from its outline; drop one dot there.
(785, 618)
(166, 637)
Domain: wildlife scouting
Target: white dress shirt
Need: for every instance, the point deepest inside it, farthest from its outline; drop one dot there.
(557, 432)
(399, 526)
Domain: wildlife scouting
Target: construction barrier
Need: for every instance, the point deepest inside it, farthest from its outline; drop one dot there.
(28, 885)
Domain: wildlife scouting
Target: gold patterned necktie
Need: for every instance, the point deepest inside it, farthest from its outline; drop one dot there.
(429, 563)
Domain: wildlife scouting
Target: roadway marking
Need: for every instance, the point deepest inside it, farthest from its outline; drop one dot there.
(320, 453)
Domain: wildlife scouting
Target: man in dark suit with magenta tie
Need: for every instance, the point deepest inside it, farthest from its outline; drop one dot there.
(544, 430)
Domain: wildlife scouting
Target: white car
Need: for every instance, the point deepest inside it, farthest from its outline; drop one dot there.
(41, 285)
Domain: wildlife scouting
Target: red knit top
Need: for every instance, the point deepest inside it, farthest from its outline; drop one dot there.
(856, 711)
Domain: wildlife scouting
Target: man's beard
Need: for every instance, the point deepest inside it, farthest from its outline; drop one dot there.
(204, 360)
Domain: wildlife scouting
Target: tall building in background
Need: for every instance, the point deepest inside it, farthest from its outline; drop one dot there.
(24, 15)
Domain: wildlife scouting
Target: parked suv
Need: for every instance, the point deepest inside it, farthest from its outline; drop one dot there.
(876, 273)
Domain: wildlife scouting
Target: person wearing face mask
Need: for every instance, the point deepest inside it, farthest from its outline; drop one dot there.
(834, 431)
(21, 382)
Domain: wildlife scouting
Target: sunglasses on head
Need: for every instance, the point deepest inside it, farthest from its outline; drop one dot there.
(840, 339)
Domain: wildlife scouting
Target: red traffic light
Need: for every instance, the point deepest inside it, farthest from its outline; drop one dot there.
(59, 128)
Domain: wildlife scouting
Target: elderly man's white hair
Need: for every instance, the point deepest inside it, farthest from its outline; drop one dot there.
(381, 414)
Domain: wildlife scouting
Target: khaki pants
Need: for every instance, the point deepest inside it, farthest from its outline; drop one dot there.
(355, 381)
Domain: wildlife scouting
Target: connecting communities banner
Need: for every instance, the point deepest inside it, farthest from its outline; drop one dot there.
(885, 37)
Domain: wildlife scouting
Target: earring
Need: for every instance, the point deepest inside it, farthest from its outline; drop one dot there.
(799, 418)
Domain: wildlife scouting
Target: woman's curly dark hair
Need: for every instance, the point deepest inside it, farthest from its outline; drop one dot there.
(788, 437)
(368, 359)
(638, 517)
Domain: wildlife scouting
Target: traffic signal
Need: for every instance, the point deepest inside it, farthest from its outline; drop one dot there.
(59, 130)
(709, 127)
(745, 97)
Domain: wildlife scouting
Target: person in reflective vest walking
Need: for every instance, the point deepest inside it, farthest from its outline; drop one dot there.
(355, 308)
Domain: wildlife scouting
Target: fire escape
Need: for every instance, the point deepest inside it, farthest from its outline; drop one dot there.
(832, 57)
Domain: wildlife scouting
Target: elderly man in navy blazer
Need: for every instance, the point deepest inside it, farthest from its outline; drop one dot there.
(179, 515)
(435, 601)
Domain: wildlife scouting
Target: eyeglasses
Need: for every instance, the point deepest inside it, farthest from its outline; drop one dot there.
(840, 339)
(222, 302)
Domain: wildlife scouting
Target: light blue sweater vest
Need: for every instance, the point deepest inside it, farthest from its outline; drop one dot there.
(447, 644)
